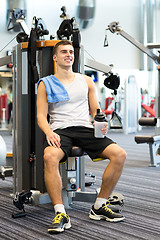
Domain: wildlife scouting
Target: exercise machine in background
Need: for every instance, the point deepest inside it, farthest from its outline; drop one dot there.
(125, 108)
(153, 141)
(112, 82)
(115, 28)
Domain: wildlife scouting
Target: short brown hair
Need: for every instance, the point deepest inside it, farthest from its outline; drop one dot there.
(62, 42)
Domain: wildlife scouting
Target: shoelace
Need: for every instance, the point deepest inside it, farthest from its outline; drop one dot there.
(108, 203)
(107, 209)
(59, 216)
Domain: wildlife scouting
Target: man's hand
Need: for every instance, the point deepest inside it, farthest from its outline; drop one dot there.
(105, 128)
(53, 139)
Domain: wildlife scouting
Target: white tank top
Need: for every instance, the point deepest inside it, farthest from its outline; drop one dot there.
(75, 111)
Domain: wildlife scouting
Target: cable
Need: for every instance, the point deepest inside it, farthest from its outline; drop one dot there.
(7, 44)
(89, 54)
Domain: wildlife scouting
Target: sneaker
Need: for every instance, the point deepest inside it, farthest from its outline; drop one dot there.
(60, 223)
(114, 208)
(105, 213)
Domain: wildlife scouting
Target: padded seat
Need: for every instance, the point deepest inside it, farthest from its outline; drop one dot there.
(76, 152)
(147, 139)
(154, 147)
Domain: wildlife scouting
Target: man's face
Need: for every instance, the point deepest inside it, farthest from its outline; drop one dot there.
(64, 56)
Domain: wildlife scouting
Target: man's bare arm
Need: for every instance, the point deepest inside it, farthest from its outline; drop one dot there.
(53, 139)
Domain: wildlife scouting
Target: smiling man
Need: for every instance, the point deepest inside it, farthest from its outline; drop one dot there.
(67, 97)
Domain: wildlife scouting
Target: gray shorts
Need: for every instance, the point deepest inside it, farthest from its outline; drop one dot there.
(81, 137)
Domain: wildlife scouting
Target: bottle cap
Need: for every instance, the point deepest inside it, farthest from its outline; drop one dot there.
(100, 117)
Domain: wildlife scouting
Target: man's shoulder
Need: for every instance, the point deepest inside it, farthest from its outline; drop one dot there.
(81, 75)
(44, 80)
(88, 79)
(49, 77)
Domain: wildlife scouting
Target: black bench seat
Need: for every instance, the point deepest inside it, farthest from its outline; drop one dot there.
(154, 147)
(147, 138)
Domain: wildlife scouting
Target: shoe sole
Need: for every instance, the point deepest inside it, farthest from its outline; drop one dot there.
(101, 217)
(59, 230)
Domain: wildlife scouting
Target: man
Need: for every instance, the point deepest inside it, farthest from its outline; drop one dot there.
(67, 97)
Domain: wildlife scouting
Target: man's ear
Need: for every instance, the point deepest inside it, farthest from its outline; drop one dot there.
(54, 57)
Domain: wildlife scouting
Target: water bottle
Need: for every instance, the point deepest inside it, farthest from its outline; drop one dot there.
(99, 121)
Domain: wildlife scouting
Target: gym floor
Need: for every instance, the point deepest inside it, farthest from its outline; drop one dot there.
(139, 184)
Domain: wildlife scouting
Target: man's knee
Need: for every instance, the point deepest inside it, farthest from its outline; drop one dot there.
(116, 154)
(121, 156)
(51, 157)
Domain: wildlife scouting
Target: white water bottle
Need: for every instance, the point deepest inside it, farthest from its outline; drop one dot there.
(99, 121)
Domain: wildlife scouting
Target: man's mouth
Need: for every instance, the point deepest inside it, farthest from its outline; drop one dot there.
(68, 59)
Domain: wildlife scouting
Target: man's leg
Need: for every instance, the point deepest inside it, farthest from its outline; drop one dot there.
(113, 171)
(110, 177)
(53, 182)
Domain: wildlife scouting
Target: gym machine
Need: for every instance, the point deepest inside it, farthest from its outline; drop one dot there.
(33, 60)
(153, 141)
(115, 28)
(112, 82)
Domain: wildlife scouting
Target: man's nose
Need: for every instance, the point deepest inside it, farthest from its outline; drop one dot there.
(69, 53)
